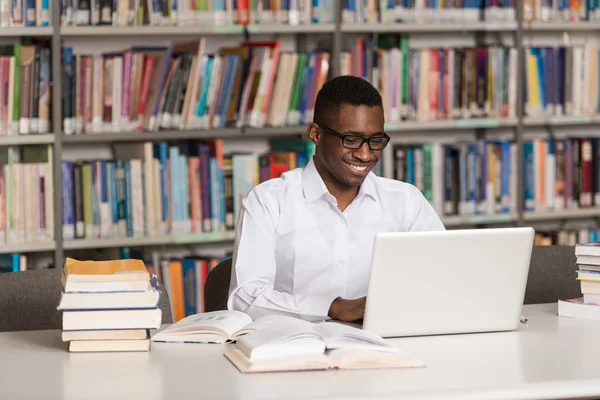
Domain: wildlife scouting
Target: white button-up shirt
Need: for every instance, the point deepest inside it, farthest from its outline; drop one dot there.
(295, 251)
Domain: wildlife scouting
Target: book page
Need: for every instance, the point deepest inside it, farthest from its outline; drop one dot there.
(263, 322)
(224, 323)
(293, 337)
(338, 335)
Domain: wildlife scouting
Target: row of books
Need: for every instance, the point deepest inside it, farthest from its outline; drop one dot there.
(13, 262)
(26, 195)
(195, 12)
(481, 178)
(566, 237)
(562, 81)
(561, 174)
(421, 11)
(184, 279)
(436, 84)
(461, 179)
(184, 87)
(25, 13)
(560, 10)
(165, 189)
(25, 79)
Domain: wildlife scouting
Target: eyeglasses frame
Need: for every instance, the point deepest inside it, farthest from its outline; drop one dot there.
(367, 140)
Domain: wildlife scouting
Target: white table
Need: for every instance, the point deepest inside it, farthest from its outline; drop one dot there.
(548, 358)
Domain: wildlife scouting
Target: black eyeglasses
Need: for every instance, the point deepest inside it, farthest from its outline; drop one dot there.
(355, 142)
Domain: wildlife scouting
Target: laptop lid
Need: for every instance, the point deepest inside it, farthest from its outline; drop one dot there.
(444, 282)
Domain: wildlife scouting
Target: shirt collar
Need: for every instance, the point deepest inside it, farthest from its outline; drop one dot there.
(314, 187)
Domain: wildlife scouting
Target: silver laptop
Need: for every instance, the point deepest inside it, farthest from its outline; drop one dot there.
(446, 282)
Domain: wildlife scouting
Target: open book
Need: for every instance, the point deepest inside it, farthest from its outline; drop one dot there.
(215, 327)
(299, 345)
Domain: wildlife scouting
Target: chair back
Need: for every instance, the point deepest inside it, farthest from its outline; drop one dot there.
(552, 275)
(216, 288)
(29, 301)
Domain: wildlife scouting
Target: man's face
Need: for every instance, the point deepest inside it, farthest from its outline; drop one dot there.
(349, 167)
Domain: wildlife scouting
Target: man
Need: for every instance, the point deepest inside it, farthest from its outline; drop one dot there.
(304, 241)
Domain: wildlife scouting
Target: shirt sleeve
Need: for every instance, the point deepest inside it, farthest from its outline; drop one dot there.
(425, 217)
(254, 266)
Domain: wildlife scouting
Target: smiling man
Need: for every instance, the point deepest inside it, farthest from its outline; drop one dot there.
(304, 241)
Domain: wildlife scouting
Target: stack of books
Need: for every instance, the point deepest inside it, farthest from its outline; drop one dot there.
(588, 274)
(108, 305)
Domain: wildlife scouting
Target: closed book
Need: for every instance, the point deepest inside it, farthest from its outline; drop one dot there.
(105, 276)
(109, 300)
(87, 346)
(588, 249)
(576, 308)
(117, 334)
(111, 319)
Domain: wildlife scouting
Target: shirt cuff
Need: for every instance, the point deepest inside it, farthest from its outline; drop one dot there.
(316, 308)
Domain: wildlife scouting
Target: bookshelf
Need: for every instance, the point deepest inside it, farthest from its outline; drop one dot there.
(335, 34)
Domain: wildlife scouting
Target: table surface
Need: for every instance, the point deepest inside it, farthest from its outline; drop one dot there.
(547, 358)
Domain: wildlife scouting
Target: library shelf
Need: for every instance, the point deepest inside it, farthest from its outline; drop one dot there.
(110, 137)
(470, 123)
(197, 239)
(483, 219)
(214, 30)
(27, 247)
(560, 121)
(564, 214)
(277, 131)
(17, 140)
(45, 31)
(427, 27)
(558, 26)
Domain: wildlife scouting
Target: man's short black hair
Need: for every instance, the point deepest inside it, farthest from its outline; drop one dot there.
(341, 90)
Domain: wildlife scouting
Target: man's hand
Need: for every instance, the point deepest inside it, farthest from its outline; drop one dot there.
(347, 310)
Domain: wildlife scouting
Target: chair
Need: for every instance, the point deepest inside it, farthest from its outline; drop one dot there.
(216, 288)
(552, 274)
(29, 301)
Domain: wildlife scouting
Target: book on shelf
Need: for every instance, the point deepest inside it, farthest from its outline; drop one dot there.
(28, 14)
(26, 195)
(296, 345)
(404, 11)
(183, 87)
(559, 11)
(108, 305)
(25, 74)
(588, 274)
(124, 13)
(13, 262)
(436, 84)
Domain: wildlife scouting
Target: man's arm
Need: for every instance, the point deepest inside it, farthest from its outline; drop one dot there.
(254, 266)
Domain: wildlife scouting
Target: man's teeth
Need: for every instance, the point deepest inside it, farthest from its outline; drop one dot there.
(358, 168)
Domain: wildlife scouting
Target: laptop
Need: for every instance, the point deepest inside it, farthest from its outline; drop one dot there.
(447, 282)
